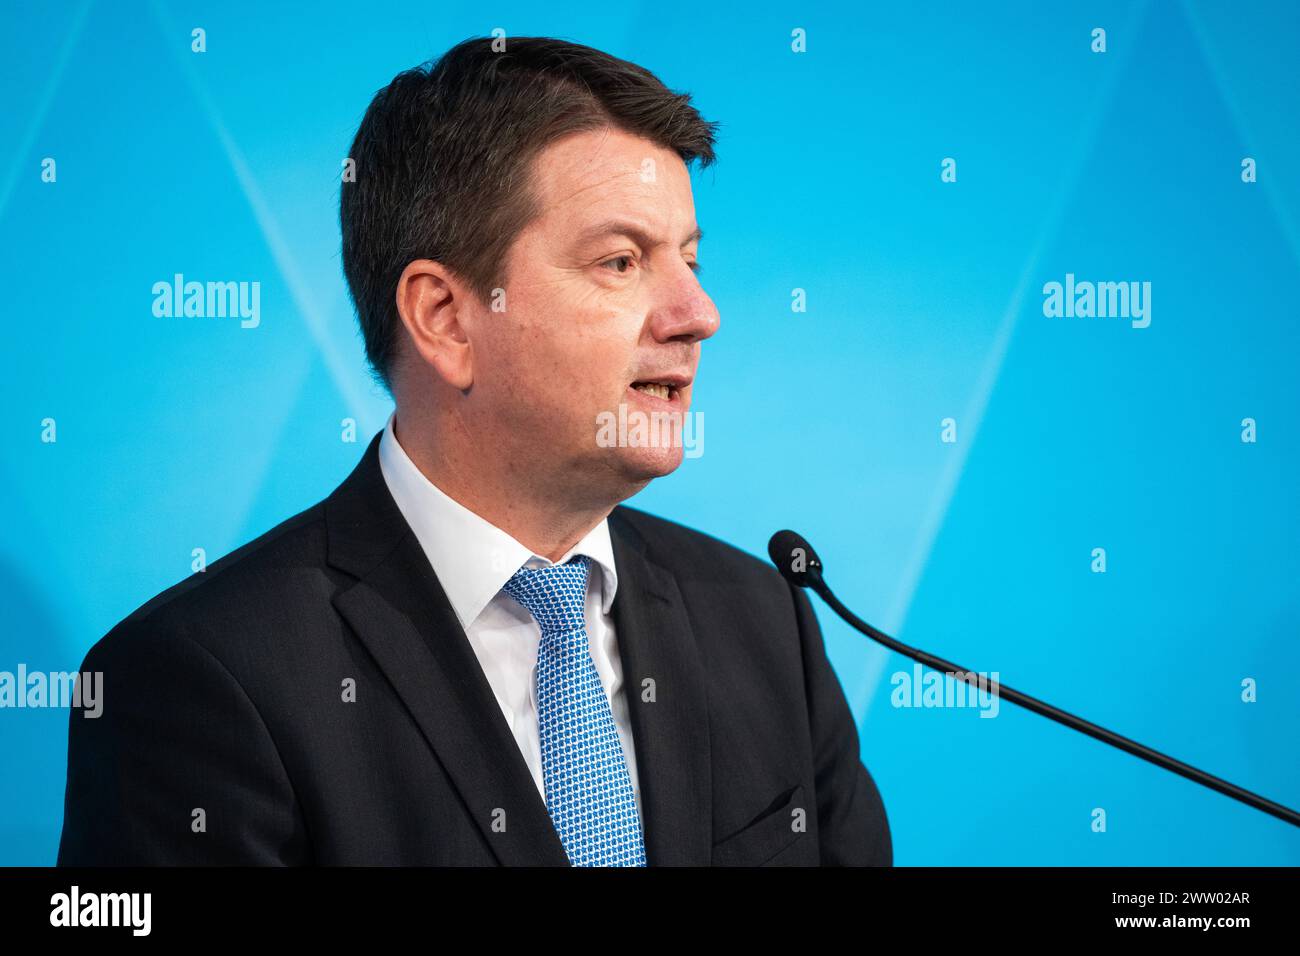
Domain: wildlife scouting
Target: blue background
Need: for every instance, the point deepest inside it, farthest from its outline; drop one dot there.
(924, 302)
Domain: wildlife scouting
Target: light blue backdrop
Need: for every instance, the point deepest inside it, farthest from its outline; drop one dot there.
(924, 302)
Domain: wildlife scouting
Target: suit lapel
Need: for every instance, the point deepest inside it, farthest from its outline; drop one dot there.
(401, 614)
(655, 643)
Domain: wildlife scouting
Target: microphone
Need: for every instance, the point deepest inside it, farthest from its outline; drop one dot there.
(799, 564)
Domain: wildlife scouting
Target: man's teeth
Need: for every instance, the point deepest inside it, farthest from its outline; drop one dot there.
(653, 388)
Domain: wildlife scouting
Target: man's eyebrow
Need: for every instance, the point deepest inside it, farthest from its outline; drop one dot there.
(625, 227)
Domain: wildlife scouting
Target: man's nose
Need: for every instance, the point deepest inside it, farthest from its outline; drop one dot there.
(684, 312)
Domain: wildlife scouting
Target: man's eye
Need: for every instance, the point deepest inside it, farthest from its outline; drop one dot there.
(619, 265)
(695, 267)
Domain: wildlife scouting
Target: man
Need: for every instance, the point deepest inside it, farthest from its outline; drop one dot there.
(471, 653)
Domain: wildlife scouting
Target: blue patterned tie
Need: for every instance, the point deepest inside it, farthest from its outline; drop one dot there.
(588, 789)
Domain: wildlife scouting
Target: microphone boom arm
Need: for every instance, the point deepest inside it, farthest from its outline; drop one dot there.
(808, 573)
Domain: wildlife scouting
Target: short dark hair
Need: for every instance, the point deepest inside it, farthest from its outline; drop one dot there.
(443, 154)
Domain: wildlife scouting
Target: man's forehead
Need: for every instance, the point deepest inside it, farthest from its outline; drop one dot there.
(584, 169)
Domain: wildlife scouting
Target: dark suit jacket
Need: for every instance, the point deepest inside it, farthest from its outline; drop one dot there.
(225, 694)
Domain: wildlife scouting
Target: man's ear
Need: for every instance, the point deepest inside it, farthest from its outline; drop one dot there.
(430, 300)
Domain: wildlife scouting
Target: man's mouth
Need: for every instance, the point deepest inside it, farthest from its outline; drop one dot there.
(657, 389)
(664, 387)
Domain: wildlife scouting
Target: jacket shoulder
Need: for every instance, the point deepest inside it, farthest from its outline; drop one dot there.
(255, 581)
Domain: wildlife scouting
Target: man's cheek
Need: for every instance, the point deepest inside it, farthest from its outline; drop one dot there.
(605, 354)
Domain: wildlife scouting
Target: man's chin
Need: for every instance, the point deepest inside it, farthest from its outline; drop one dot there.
(642, 465)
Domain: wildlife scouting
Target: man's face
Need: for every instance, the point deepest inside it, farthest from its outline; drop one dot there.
(602, 299)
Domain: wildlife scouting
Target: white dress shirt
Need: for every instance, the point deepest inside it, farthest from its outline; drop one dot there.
(473, 559)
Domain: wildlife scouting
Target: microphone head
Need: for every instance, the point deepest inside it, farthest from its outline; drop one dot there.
(795, 558)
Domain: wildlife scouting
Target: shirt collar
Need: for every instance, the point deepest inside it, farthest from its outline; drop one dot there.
(473, 558)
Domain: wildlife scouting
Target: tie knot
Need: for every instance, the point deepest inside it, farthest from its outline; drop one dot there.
(556, 596)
